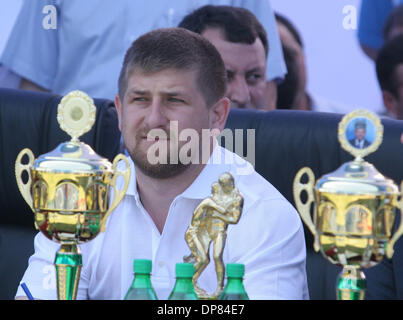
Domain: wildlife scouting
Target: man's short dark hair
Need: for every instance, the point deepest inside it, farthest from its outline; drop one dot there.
(176, 48)
(389, 58)
(239, 25)
(360, 124)
(290, 27)
(394, 20)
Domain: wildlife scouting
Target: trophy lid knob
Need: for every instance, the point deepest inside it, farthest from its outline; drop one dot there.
(76, 114)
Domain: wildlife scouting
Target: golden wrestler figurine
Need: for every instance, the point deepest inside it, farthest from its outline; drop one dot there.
(209, 224)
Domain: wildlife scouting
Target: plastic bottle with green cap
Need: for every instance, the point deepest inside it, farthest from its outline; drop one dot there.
(141, 288)
(234, 289)
(183, 289)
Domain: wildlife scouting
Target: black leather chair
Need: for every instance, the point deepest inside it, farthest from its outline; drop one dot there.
(28, 120)
(285, 142)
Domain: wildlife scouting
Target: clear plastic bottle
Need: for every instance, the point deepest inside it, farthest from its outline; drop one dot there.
(183, 289)
(234, 289)
(141, 288)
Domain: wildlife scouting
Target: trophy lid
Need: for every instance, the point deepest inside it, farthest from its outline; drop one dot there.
(76, 116)
(360, 133)
(356, 178)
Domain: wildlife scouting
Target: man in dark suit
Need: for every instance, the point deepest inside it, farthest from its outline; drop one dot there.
(360, 131)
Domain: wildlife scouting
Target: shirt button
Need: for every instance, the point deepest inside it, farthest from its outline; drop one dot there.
(161, 264)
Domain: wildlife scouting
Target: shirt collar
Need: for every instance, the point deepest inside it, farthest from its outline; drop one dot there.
(201, 186)
(132, 187)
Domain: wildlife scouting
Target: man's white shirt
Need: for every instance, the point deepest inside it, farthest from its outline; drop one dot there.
(268, 240)
(359, 143)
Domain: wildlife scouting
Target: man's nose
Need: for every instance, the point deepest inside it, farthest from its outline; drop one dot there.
(238, 92)
(156, 117)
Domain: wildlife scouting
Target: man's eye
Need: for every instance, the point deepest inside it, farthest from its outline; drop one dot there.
(230, 76)
(176, 100)
(253, 78)
(138, 99)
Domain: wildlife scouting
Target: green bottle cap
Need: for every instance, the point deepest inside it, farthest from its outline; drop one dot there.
(142, 266)
(235, 270)
(184, 270)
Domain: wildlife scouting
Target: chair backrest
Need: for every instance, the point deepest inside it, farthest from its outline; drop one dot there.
(28, 119)
(285, 141)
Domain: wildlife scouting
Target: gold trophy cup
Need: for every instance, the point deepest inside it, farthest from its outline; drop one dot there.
(353, 207)
(69, 190)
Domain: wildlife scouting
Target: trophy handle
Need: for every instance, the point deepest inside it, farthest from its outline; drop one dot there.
(25, 188)
(399, 231)
(117, 194)
(304, 209)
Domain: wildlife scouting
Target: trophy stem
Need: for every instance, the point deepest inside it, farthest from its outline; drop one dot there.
(68, 264)
(351, 284)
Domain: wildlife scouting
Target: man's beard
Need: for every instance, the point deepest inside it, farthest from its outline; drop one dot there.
(158, 170)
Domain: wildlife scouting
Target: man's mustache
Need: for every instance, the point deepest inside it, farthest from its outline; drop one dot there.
(154, 134)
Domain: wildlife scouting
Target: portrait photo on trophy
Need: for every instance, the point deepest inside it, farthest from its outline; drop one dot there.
(201, 150)
(360, 133)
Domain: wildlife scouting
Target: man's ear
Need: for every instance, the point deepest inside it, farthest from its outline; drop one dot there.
(118, 105)
(219, 114)
(389, 102)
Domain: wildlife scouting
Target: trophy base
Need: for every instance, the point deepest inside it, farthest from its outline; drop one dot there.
(68, 265)
(351, 284)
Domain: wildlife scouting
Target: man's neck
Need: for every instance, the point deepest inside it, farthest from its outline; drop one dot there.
(156, 195)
